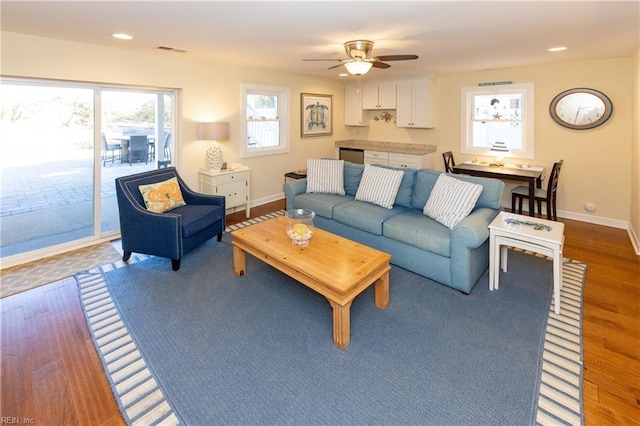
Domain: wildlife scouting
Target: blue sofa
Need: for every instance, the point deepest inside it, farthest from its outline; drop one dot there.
(454, 257)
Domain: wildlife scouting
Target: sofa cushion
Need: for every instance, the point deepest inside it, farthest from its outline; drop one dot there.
(196, 217)
(352, 175)
(364, 216)
(491, 195)
(379, 186)
(417, 230)
(405, 191)
(322, 204)
(424, 183)
(160, 197)
(325, 176)
(451, 200)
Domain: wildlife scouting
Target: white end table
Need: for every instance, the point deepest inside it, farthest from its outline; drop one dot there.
(528, 233)
(233, 183)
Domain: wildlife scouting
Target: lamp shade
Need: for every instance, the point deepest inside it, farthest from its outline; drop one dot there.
(216, 131)
(358, 67)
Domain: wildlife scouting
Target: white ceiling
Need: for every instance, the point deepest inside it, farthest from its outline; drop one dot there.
(448, 36)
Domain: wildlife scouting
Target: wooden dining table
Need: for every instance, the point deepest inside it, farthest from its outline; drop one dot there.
(532, 175)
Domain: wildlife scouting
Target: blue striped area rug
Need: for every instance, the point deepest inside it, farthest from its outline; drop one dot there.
(560, 399)
(254, 221)
(137, 393)
(143, 400)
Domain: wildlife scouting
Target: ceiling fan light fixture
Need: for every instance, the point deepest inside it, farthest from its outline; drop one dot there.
(358, 49)
(358, 67)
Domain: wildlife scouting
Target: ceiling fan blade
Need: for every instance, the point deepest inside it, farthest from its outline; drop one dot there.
(335, 66)
(380, 65)
(332, 60)
(397, 57)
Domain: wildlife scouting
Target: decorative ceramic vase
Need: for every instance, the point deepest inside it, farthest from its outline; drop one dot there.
(214, 158)
(300, 226)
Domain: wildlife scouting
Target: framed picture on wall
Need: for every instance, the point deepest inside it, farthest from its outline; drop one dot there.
(316, 115)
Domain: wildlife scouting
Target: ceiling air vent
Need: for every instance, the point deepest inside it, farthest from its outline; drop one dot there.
(171, 49)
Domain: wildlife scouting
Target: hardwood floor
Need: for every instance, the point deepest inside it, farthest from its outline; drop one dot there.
(52, 375)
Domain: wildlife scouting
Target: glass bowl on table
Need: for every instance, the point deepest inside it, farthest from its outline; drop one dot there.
(300, 226)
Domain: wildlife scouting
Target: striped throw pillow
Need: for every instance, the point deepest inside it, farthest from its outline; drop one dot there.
(325, 176)
(451, 200)
(379, 186)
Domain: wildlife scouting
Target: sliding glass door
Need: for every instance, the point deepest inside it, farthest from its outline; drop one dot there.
(62, 145)
(46, 166)
(145, 116)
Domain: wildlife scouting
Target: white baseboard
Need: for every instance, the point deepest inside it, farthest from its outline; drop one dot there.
(635, 239)
(597, 220)
(265, 200)
(634, 236)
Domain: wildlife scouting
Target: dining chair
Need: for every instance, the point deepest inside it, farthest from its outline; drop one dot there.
(549, 195)
(138, 149)
(449, 162)
(110, 148)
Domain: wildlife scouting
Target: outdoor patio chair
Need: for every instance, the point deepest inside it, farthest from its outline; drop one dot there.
(138, 149)
(167, 147)
(110, 148)
(171, 234)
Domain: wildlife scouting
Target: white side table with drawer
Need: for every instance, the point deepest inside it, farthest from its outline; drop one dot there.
(528, 233)
(234, 184)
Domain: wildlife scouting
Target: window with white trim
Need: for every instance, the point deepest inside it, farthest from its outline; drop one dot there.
(266, 120)
(501, 113)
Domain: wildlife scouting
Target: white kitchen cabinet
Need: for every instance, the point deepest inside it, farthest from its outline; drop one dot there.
(400, 160)
(411, 161)
(353, 114)
(379, 96)
(414, 104)
(376, 157)
(234, 185)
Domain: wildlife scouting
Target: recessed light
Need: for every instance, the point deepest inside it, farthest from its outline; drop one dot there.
(122, 36)
(558, 49)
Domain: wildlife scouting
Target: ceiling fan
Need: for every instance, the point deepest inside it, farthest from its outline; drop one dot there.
(360, 61)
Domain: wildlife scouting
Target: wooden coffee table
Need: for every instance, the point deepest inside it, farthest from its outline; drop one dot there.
(337, 268)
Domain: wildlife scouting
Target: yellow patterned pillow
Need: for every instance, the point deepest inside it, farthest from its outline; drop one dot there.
(161, 197)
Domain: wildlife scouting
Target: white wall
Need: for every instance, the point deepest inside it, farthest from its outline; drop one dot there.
(634, 226)
(600, 164)
(208, 92)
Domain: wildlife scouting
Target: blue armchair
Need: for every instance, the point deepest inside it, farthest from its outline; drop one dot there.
(171, 234)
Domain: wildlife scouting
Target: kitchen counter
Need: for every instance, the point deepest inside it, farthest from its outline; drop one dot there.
(398, 147)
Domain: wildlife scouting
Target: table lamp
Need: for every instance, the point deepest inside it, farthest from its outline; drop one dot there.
(216, 131)
(500, 148)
